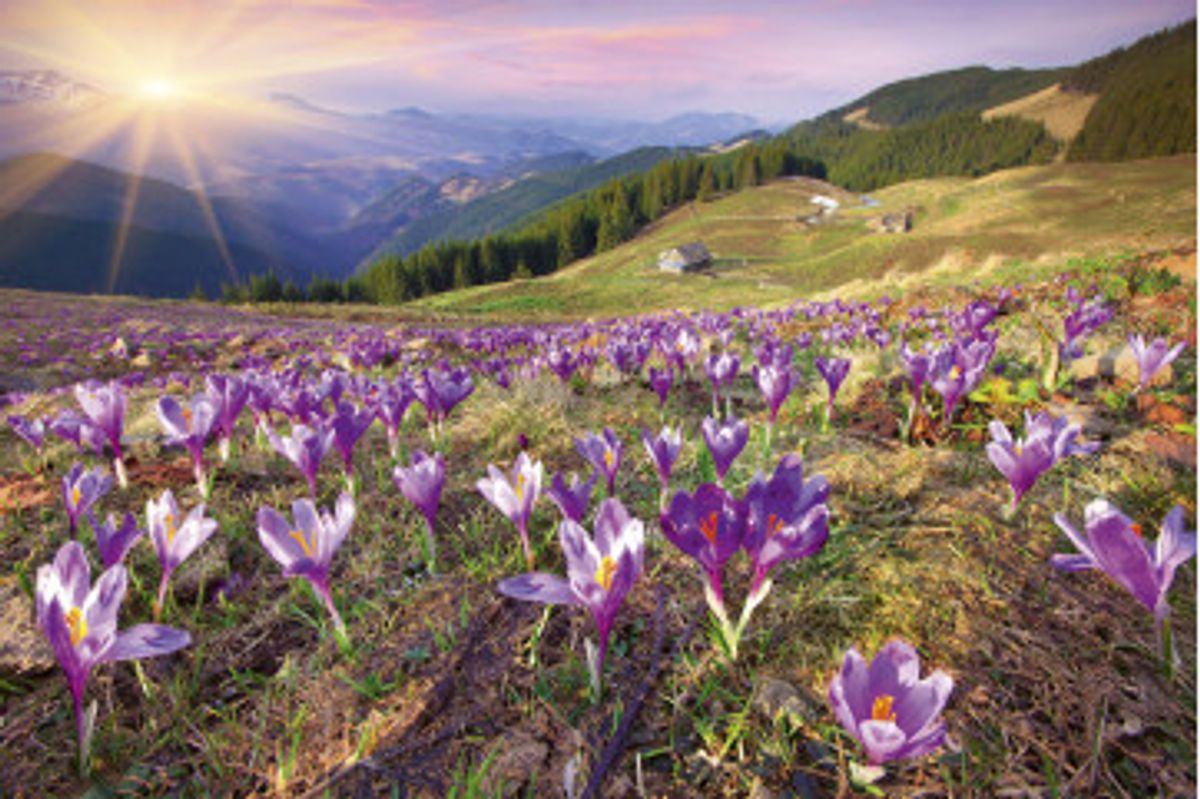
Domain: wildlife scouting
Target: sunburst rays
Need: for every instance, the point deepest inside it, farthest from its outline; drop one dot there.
(162, 67)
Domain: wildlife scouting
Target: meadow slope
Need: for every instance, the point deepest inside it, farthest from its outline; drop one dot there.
(964, 228)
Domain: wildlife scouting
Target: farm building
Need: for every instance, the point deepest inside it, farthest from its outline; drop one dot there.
(685, 258)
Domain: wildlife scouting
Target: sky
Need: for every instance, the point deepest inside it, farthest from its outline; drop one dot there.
(776, 60)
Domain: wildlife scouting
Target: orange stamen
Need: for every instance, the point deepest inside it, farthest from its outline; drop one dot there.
(709, 527)
(302, 540)
(605, 572)
(881, 708)
(77, 625)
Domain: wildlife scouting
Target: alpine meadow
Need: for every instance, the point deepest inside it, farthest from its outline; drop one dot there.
(554, 400)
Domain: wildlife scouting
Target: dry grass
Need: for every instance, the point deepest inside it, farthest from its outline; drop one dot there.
(1063, 113)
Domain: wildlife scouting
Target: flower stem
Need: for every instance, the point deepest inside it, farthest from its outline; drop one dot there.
(327, 595)
(432, 546)
(162, 595)
(1167, 647)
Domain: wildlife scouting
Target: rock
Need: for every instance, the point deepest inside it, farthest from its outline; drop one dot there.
(760, 791)
(24, 650)
(774, 698)
(1090, 422)
(207, 565)
(517, 756)
(1117, 363)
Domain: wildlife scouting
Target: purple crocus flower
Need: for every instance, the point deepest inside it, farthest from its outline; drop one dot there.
(722, 370)
(104, 405)
(392, 403)
(663, 449)
(572, 498)
(833, 371)
(80, 491)
(600, 573)
(887, 707)
(421, 484)
(775, 382)
(604, 453)
(439, 391)
(1150, 358)
(786, 518)
(708, 526)
(114, 542)
(31, 431)
(306, 548)
(1047, 440)
(174, 537)
(229, 395)
(80, 621)
(662, 381)
(1085, 319)
(725, 442)
(957, 369)
(72, 427)
(515, 498)
(917, 364)
(1114, 544)
(348, 425)
(190, 426)
(304, 448)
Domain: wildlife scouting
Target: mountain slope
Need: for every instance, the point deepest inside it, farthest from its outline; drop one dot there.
(54, 253)
(44, 183)
(508, 206)
(929, 96)
(1042, 215)
(1147, 102)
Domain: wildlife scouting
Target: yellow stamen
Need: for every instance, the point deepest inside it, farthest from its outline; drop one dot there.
(605, 572)
(709, 527)
(77, 625)
(187, 417)
(520, 490)
(881, 708)
(171, 529)
(955, 372)
(608, 458)
(76, 495)
(774, 525)
(302, 540)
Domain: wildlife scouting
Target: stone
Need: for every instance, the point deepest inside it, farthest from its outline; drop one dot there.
(775, 698)
(24, 651)
(202, 570)
(1117, 363)
(517, 756)
(760, 791)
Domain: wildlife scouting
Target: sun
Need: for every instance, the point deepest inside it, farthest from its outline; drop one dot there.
(157, 89)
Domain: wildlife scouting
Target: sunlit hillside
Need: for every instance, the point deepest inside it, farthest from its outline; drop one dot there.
(765, 253)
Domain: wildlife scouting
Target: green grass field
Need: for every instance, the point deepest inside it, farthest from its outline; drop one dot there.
(1037, 216)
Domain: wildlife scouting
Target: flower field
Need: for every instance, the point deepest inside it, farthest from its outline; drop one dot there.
(938, 544)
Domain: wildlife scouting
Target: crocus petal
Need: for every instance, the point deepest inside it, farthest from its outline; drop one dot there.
(1124, 557)
(1072, 563)
(540, 587)
(146, 640)
(883, 740)
(922, 703)
(274, 533)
